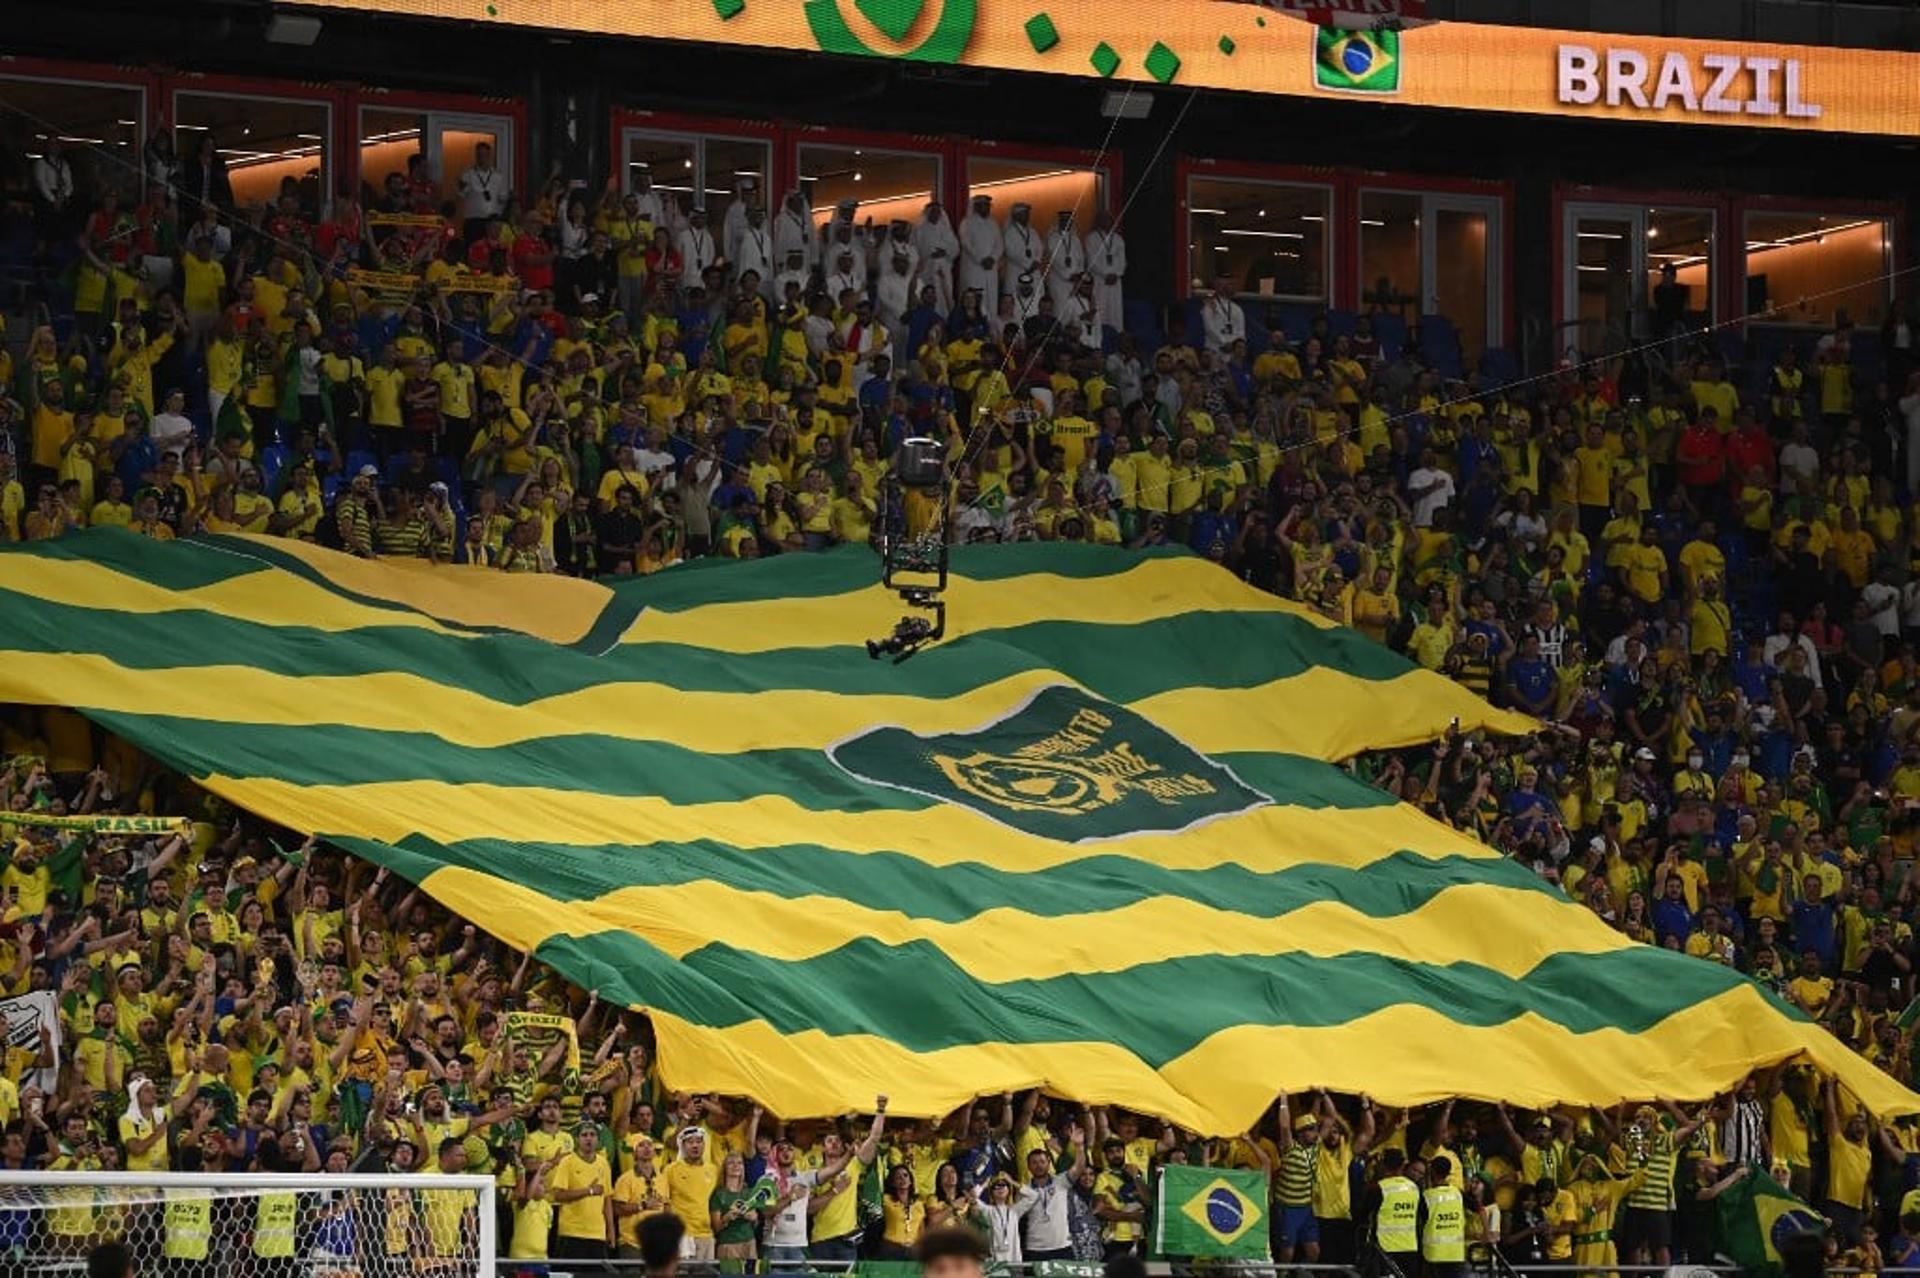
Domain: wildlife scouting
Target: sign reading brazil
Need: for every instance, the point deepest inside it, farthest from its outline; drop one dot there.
(1061, 765)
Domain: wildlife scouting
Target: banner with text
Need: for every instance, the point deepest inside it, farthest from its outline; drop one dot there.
(1224, 44)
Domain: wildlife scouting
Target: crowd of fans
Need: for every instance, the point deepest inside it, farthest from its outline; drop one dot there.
(1708, 596)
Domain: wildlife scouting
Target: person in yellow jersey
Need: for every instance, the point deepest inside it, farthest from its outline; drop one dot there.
(1849, 1165)
(144, 1126)
(1597, 1196)
(1296, 1231)
(581, 1188)
(833, 1199)
(638, 1194)
(448, 1217)
(1332, 1178)
(689, 1183)
(1120, 1201)
(1443, 1222)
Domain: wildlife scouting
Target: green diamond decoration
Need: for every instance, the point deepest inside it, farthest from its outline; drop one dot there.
(1162, 63)
(1041, 33)
(727, 8)
(893, 17)
(1226, 45)
(1104, 59)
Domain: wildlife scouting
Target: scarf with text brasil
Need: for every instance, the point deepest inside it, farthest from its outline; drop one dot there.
(1091, 841)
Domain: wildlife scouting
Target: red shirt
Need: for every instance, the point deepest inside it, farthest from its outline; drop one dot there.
(533, 262)
(1745, 450)
(1702, 455)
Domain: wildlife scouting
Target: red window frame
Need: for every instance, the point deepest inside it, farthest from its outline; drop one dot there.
(454, 103)
(1347, 183)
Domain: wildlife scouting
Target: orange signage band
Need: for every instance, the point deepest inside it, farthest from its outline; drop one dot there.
(1218, 44)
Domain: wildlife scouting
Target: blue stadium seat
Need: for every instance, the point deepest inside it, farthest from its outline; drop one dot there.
(1296, 320)
(1391, 332)
(1440, 345)
(1342, 323)
(357, 458)
(330, 488)
(1143, 321)
(1499, 367)
(273, 459)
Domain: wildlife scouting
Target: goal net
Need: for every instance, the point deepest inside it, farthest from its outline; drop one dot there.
(275, 1226)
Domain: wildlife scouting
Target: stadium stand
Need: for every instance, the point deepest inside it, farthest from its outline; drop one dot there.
(1695, 562)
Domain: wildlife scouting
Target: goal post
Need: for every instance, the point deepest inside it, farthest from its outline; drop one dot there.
(277, 1225)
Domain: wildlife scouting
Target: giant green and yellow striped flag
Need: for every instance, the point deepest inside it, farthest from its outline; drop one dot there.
(1091, 841)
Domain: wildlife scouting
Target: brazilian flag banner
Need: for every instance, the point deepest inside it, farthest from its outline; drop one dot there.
(1097, 840)
(1210, 1211)
(1356, 61)
(1757, 1216)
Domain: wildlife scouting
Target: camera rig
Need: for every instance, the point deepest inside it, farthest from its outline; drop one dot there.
(910, 536)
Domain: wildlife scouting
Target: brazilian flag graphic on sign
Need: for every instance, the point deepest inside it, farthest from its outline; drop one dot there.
(1210, 1211)
(1356, 61)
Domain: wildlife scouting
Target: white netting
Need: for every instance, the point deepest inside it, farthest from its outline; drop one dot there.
(195, 1226)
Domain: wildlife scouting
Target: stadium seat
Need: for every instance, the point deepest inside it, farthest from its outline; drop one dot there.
(1440, 345)
(273, 459)
(1391, 332)
(1499, 367)
(357, 458)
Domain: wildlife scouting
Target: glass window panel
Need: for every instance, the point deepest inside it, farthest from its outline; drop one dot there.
(668, 159)
(1051, 189)
(98, 128)
(458, 143)
(883, 184)
(1390, 251)
(1806, 268)
(270, 146)
(1603, 271)
(1461, 281)
(1679, 241)
(1269, 239)
(388, 141)
(736, 168)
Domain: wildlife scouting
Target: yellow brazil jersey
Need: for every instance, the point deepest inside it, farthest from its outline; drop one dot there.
(582, 1217)
(688, 1187)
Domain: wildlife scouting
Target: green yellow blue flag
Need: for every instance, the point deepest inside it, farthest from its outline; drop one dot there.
(1356, 61)
(1757, 1216)
(1210, 1211)
(1097, 839)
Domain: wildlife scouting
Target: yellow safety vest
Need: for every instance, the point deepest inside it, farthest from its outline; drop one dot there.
(1395, 1229)
(1445, 1239)
(189, 1224)
(273, 1226)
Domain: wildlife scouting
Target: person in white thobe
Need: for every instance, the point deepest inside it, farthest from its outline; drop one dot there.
(980, 250)
(893, 288)
(650, 206)
(795, 272)
(1021, 245)
(1107, 259)
(844, 277)
(733, 227)
(843, 238)
(1025, 298)
(754, 252)
(794, 231)
(1221, 317)
(898, 239)
(1080, 316)
(697, 249)
(938, 248)
(1066, 259)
